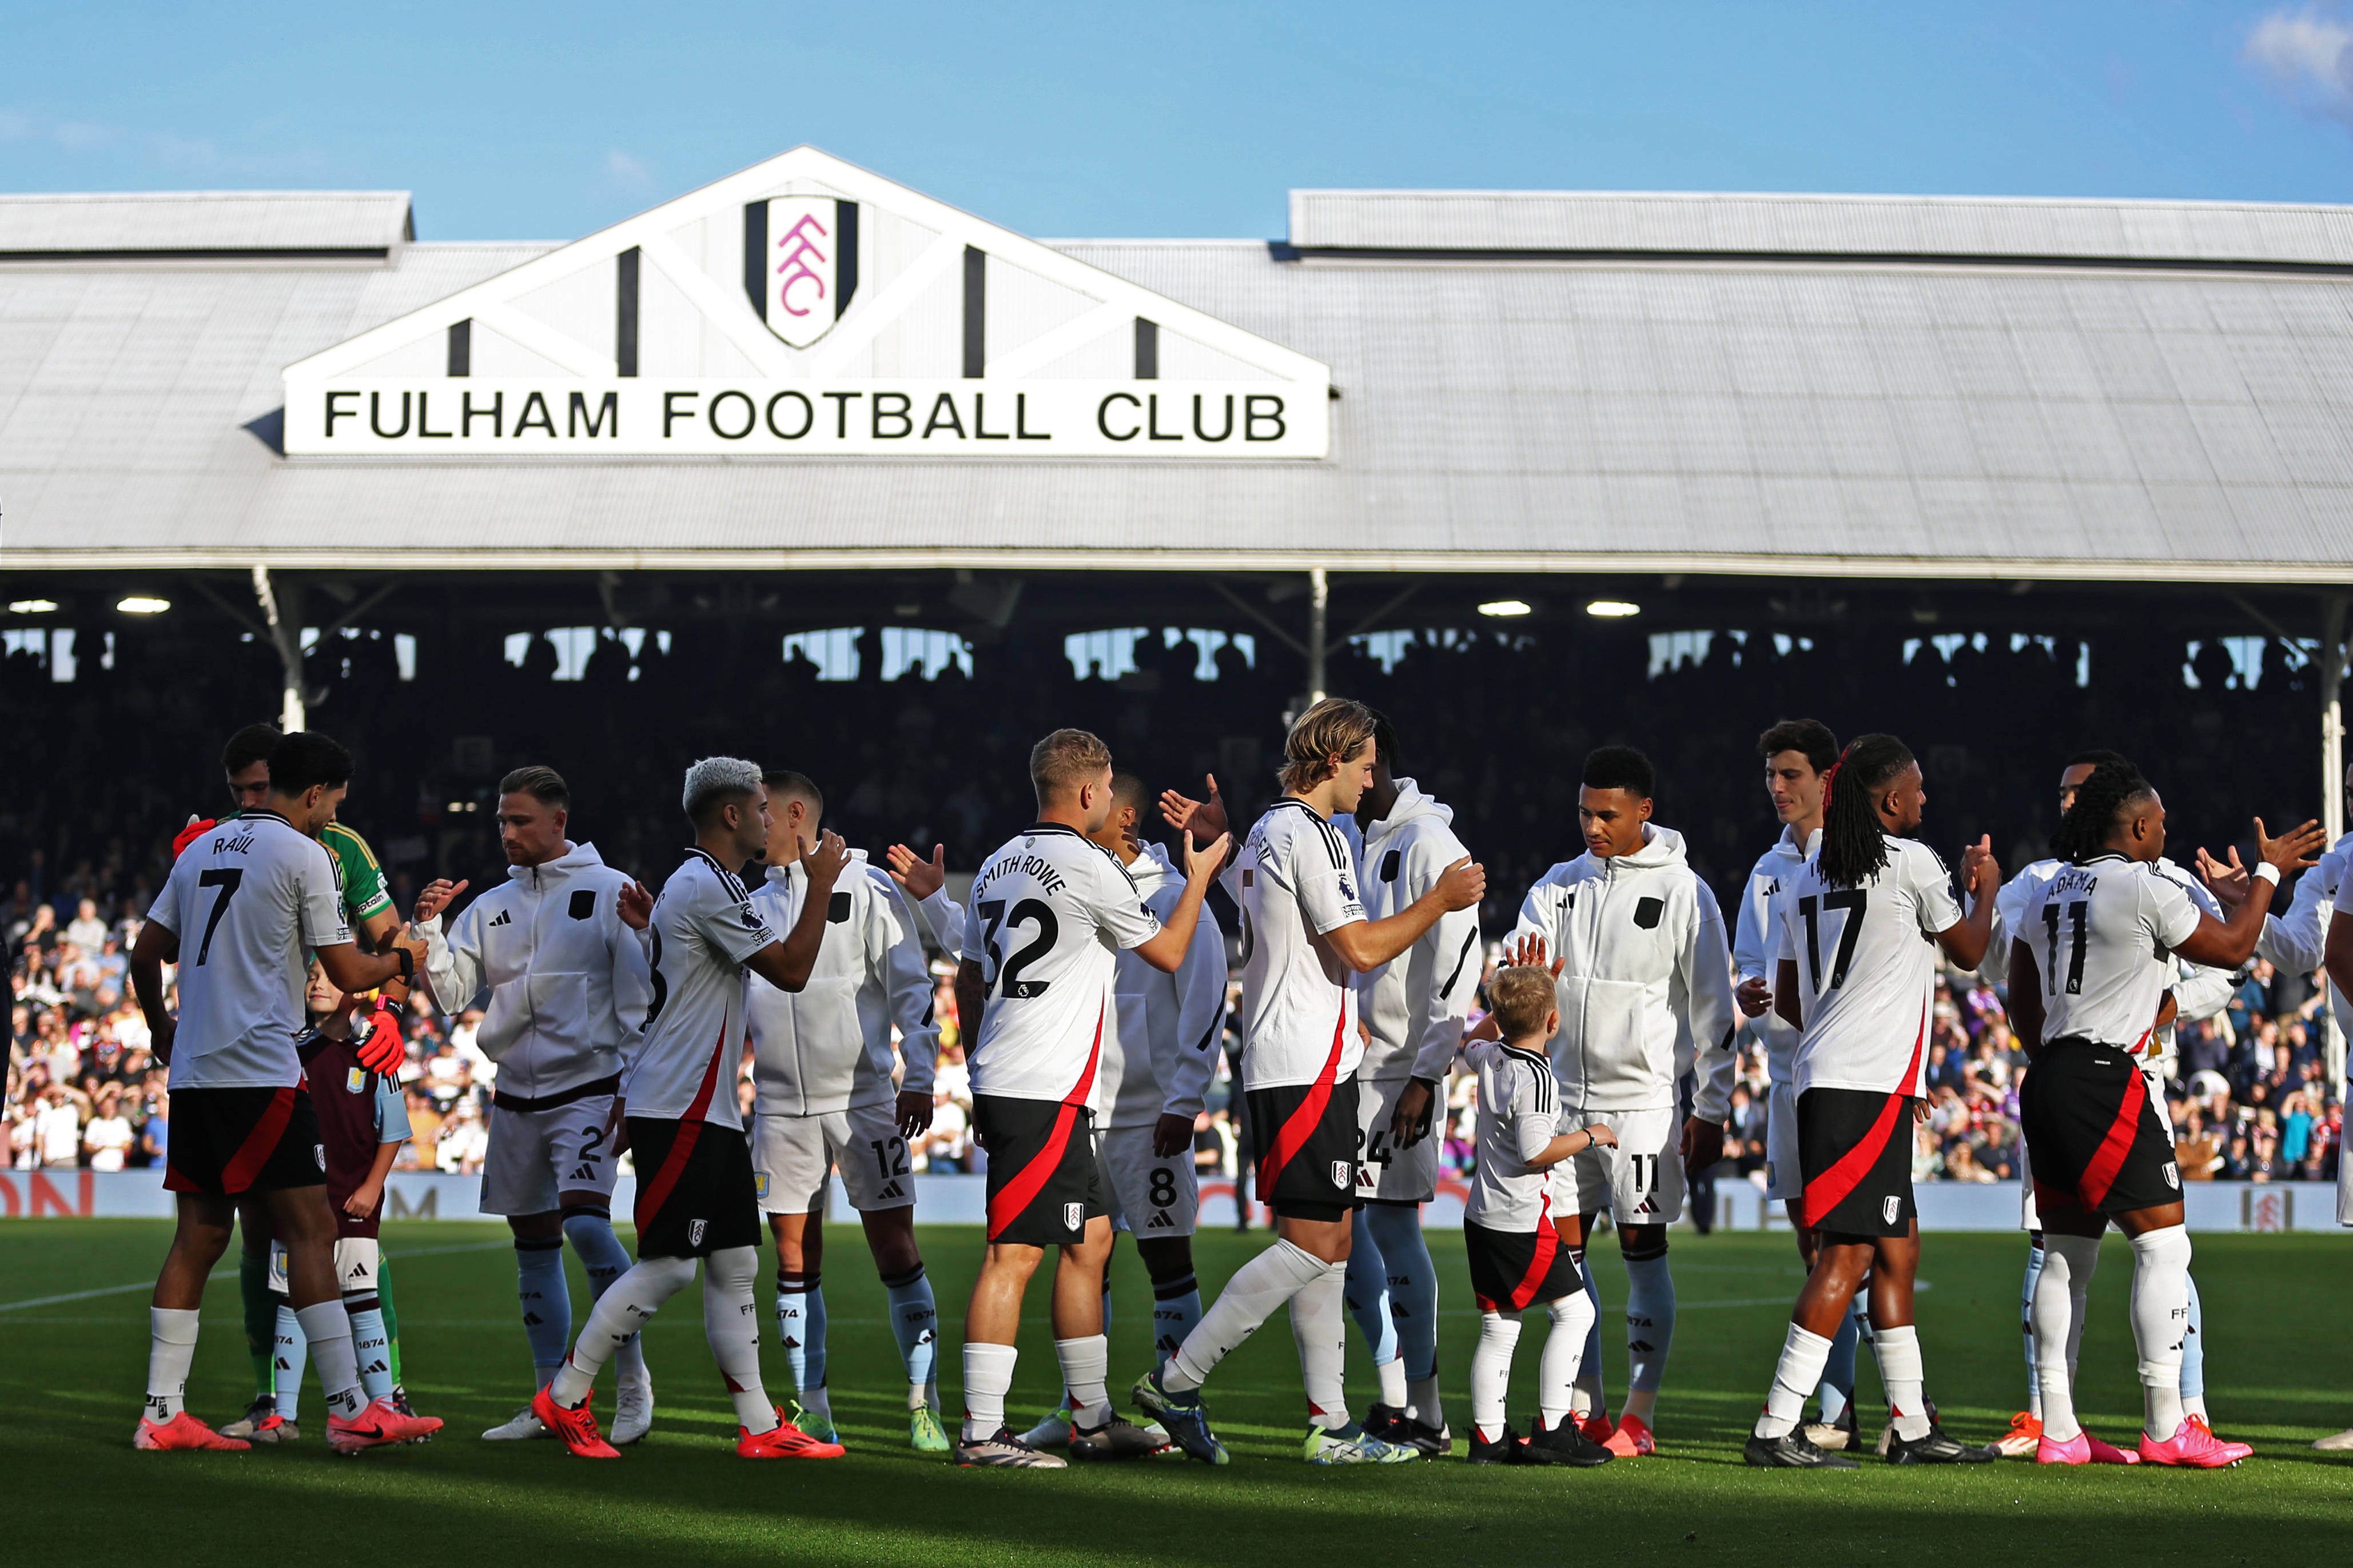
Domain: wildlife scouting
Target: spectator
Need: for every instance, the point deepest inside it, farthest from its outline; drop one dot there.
(108, 1139)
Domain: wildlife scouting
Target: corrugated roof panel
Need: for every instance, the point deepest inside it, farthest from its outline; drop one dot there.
(1799, 224)
(180, 221)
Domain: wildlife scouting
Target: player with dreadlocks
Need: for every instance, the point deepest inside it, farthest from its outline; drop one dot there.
(2112, 922)
(1861, 924)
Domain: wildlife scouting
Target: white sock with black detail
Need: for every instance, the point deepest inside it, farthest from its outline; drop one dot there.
(1085, 1363)
(988, 1379)
(170, 1350)
(1257, 1288)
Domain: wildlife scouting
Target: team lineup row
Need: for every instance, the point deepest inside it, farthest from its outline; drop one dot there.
(1091, 985)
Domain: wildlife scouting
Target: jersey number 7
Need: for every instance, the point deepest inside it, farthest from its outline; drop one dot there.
(227, 879)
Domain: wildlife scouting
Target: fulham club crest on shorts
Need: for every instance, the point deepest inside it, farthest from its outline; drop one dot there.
(1074, 1217)
(694, 1229)
(1341, 1176)
(2173, 1175)
(800, 264)
(1888, 1206)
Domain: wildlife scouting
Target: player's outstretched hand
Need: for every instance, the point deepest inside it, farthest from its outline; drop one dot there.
(825, 862)
(1602, 1137)
(1410, 1123)
(2290, 851)
(1754, 995)
(439, 895)
(1462, 885)
(920, 878)
(1204, 861)
(1530, 949)
(1979, 870)
(1204, 820)
(634, 905)
(2227, 881)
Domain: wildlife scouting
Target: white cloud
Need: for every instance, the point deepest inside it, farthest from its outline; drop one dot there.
(628, 173)
(2308, 54)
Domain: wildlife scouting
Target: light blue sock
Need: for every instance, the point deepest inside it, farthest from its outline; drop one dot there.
(1413, 1285)
(2193, 1352)
(1365, 1289)
(800, 1329)
(2026, 1318)
(915, 1323)
(1176, 1308)
(286, 1360)
(606, 1259)
(546, 1304)
(1650, 1319)
(370, 1344)
(1838, 1373)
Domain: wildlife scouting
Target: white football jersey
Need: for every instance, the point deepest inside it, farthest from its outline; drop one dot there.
(704, 927)
(1295, 881)
(1866, 962)
(2103, 935)
(1170, 1025)
(1050, 912)
(249, 901)
(1519, 1114)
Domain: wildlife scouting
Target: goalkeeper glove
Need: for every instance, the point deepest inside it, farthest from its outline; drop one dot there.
(382, 1050)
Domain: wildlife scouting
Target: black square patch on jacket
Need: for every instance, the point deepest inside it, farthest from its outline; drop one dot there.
(1647, 912)
(583, 905)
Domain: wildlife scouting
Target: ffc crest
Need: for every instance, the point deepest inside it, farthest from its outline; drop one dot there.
(1344, 1173)
(800, 264)
(1888, 1206)
(694, 1231)
(1074, 1217)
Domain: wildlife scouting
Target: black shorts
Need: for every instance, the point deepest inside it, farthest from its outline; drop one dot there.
(696, 1193)
(1308, 1143)
(1045, 1181)
(226, 1142)
(1854, 1147)
(1512, 1270)
(2095, 1138)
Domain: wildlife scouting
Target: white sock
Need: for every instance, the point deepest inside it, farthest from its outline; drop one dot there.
(327, 1329)
(1319, 1322)
(988, 1379)
(1799, 1372)
(731, 1321)
(1592, 1398)
(1563, 1353)
(171, 1349)
(627, 1305)
(1391, 1377)
(2161, 1316)
(1422, 1404)
(287, 1362)
(1650, 1331)
(1491, 1373)
(1085, 1363)
(1250, 1299)
(1898, 1350)
(2068, 1262)
(2035, 1260)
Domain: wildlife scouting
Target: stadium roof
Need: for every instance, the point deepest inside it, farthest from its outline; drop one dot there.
(1791, 386)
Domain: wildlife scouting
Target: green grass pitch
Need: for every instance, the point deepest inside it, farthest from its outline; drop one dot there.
(71, 1372)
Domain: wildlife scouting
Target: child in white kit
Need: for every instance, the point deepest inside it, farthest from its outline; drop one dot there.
(1517, 1259)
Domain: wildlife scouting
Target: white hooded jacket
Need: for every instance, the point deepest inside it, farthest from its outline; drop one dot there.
(569, 984)
(1159, 1061)
(828, 1047)
(1754, 934)
(1415, 1005)
(1645, 961)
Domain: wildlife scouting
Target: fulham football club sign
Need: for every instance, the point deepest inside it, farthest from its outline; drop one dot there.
(807, 308)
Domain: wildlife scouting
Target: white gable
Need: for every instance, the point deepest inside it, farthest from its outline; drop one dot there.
(805, 307)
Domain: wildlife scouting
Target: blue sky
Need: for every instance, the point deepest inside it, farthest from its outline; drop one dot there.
(530, 121)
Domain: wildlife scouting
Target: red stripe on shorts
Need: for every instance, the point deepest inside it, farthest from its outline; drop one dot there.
(2109, 1159)
(1831, 1189)
(1293, 1135)
(246, 1164)
(652, 1194)
(1547, 1244)
(1023, 1189)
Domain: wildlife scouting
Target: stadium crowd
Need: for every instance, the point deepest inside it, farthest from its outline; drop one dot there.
(937, 754)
